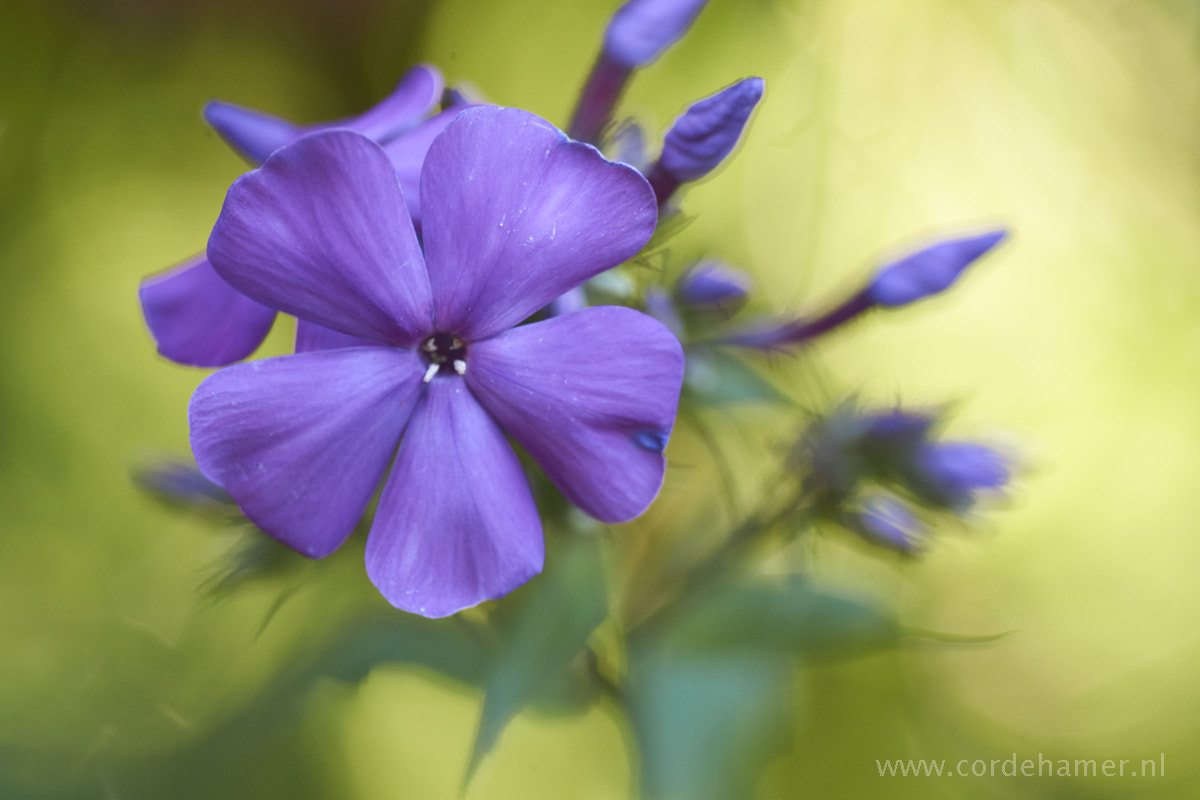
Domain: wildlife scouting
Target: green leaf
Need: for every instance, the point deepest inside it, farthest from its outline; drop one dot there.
(791, 615)
(254, 751)
(548, 630)
(706, 722)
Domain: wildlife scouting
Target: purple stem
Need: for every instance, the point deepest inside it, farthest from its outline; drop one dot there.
(598, 99)
(663, 184)
(802, 331)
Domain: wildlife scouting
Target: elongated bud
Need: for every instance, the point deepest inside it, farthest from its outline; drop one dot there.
(642, 30)
(929, 271)
(909, 279)
(703, 136)
(253, 134)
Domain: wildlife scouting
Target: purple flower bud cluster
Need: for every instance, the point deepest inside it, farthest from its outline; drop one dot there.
(885, 474)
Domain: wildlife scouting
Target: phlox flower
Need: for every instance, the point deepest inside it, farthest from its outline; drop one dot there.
(194, 316)
(514, 214)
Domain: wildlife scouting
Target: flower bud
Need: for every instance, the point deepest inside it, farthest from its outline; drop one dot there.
(642, 29)
(953, 473)
(704, 135)
(253, 134)
(711, 284)
(929, 271)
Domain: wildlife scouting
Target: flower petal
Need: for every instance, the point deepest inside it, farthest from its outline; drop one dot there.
(320, 231)
(301, 441)
(418, 91)
(310, 336)
(198, 319)
(514, 214)
(407, 154)
(592, 396)
(456, 523)
(256, 135)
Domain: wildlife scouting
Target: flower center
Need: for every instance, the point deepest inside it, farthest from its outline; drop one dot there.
(444, 352)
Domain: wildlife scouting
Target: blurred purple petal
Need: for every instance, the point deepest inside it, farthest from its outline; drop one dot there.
(515, 214)
(256, 135)
(417, 93)
(197, 318)
(301, 441)
(704, 135)
(641, 30)
(310, 336)
(320, 231)
(931, 270)
(592, 396)
(456, 523)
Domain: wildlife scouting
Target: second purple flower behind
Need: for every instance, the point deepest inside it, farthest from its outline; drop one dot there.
(514, 214)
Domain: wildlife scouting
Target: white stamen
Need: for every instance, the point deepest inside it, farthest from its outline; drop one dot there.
(429, 373)
(460, 366)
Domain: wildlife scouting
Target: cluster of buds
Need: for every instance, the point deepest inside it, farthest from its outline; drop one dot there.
(883, 473)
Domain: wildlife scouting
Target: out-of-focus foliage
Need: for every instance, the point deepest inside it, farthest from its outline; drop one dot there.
(129, 669)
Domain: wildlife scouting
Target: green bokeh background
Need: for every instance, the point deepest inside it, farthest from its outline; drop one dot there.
(1073, 122)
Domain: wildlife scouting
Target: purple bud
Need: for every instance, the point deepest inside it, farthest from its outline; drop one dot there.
(253, 134)
(929, 271)
(897, 426)
(704, 135)
(886, 521)
(713, 284)
(642, 29)
(954, 471)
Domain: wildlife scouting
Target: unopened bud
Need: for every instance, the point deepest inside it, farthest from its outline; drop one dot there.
(930, 271)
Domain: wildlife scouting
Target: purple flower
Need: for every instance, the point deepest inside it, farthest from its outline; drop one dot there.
(701, 138)
(929, 271)
(515, 214)
(195, 317)
(953, 473)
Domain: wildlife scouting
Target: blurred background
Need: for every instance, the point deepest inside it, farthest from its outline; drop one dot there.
(885, 121)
